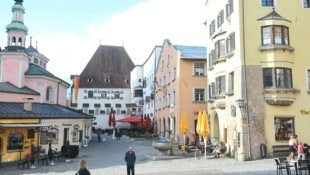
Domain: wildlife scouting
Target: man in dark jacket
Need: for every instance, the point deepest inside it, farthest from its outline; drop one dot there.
(130, 158)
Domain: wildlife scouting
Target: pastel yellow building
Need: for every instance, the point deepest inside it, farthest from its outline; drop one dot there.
(258, 74)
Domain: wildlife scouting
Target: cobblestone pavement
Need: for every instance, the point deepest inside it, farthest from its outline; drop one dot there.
(107, 158)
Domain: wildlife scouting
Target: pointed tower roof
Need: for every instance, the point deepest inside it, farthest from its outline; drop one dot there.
(273, 16)
(17, 22)
(109, 67)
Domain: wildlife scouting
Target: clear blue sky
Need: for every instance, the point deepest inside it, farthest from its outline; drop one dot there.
(68, 32)
(62, 15)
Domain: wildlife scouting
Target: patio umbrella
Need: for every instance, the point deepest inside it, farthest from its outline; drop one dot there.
(110, 119)
(205, 130)
(148, 123)
(142, 122)
(130, 119)
(113, 122)
(198, 124)
(184, 125)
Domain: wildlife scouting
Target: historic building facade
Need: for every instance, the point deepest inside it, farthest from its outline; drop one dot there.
(32, 99)
(180, 88)
(104, 87)
(258, 74)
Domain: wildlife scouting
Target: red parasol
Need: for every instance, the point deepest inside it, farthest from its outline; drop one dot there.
(113, 122)
(110, 119)
(130, 119)
(148, 123)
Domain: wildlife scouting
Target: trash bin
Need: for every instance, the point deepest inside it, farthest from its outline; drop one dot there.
(263, 150)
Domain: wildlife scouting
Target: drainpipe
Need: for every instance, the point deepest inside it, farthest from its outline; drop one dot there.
(246, 86)
(57, 100)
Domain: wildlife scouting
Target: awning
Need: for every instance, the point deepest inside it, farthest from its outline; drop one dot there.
(24, 125)
(130, 119)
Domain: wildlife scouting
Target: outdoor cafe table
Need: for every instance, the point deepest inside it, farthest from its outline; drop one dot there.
(293, 163)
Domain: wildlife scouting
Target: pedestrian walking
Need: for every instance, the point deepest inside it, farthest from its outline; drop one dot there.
(50, 154)
(130, 158)
(83, 168)
(292, 146)
(98, 136)
(301, 151)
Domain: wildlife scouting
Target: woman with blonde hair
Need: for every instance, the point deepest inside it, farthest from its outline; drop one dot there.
(83, 168)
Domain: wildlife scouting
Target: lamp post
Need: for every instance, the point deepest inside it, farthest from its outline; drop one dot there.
(242, 104)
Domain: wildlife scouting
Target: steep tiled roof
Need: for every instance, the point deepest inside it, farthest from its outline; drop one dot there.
(10, 88)
(39, 110)
(109, 67)
(194, 52)
(37, 70)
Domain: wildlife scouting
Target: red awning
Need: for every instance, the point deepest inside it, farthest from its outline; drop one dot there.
(130, 119)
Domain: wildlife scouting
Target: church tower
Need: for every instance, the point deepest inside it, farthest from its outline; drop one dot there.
(14, 61)
(17, 31)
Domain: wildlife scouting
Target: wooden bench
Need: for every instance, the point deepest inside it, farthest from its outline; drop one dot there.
(280, 150)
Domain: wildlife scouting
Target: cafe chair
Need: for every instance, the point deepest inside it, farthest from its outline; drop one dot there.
(282, 166)
(303, 167)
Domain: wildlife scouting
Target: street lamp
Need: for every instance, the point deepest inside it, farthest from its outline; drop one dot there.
(241, 103)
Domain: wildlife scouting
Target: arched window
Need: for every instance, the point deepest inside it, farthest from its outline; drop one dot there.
(15, 141)
(49, 93)
(19, 42)
(13, 41)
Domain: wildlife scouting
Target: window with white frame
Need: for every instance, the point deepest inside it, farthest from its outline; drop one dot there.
(220, 85)
(276, 77)
(199, 95)
(267, 3)
(212, 90)
(231, 82)
(275, 34)
(212, 27)
(229, 8)
(49, 93)
(211, 58)
(90, 94)
(117, 95)
(220, 18)
(230, 42)
(97, 111)
(199, 69)
(220, 48)
(306, 3)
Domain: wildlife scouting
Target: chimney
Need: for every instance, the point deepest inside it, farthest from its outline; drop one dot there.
(28, 104)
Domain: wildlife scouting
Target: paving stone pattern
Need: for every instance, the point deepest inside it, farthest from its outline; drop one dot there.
(107, 158)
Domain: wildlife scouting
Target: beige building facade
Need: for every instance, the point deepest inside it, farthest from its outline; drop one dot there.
(258, 74)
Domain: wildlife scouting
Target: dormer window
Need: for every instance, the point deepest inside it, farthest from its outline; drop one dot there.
(90, 80)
